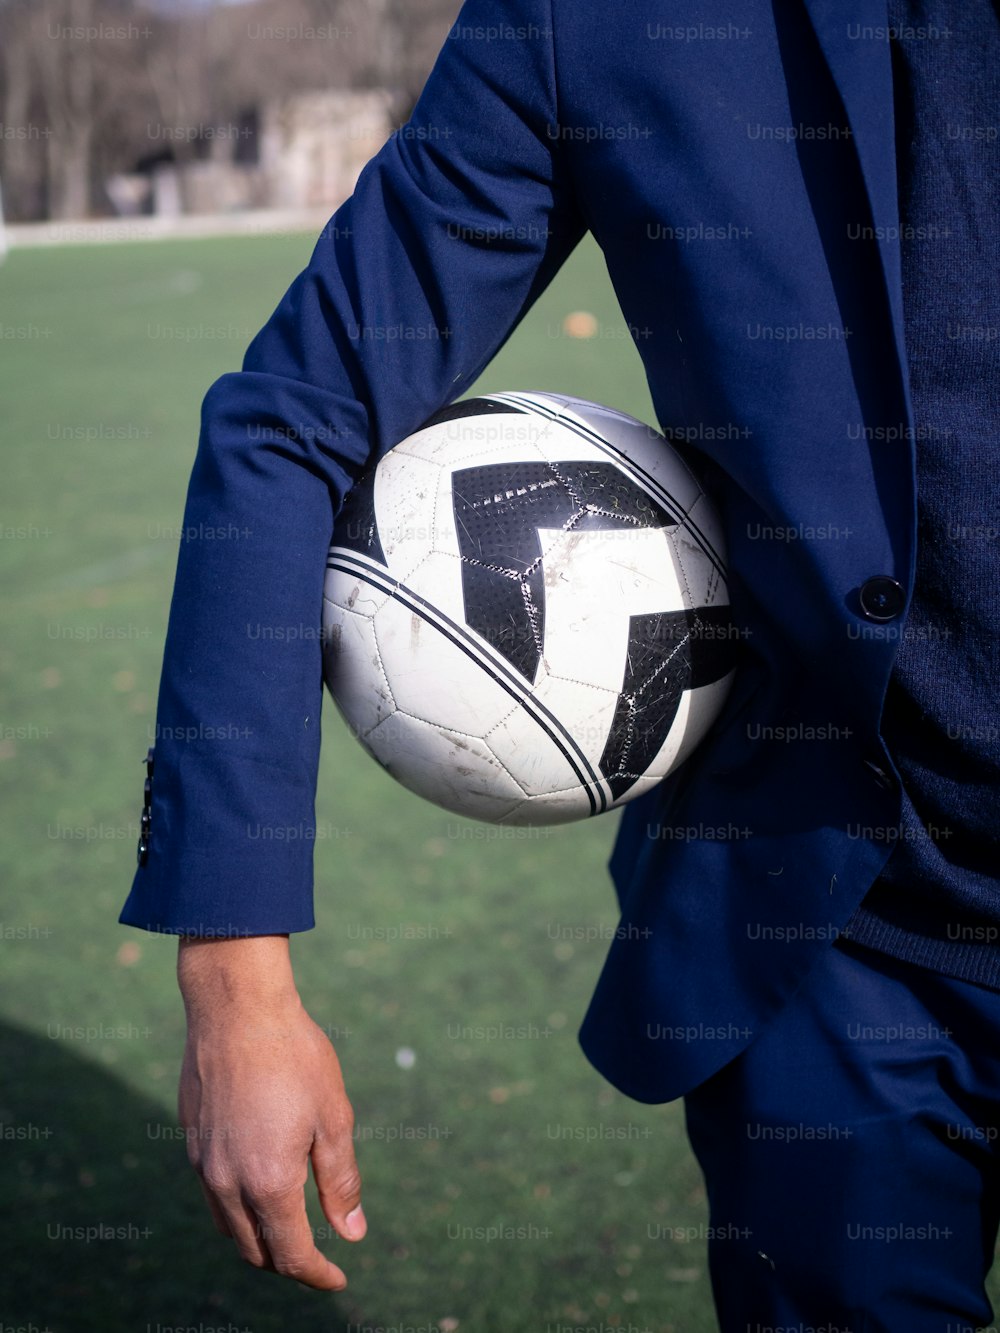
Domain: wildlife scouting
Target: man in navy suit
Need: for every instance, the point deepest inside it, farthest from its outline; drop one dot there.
(802, 208)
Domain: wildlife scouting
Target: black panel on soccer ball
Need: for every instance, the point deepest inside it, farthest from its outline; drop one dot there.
(499, 509)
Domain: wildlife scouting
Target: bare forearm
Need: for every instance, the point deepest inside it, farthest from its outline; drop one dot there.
(249, 974)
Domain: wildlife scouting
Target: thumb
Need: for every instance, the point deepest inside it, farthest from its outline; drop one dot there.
(338, 1182)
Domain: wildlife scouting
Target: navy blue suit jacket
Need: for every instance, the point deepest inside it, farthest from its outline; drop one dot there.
(773, 347)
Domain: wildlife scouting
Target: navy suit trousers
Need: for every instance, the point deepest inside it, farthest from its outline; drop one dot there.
(851, 1155)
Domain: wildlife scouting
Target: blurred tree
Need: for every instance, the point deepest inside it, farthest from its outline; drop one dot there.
(22, 141)
(91, 87)
(64, 68)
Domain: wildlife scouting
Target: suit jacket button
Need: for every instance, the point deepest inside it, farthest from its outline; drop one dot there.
(882, 598)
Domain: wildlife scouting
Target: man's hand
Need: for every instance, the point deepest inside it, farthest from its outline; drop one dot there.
(261, 1094)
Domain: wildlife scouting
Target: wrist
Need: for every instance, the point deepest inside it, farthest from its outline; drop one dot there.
(235, 975)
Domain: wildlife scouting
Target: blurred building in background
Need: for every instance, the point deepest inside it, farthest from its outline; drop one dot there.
(302, 152)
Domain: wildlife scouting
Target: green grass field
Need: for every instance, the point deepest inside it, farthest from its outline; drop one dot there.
(426, 927)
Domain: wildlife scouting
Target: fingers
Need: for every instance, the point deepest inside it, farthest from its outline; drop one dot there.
(271, 1230)
(253, 1125)
(284, 1229)
(338, 1182)
(238, 1220)
(218, 1216)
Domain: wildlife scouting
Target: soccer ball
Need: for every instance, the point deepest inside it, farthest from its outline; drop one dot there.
(525, 613)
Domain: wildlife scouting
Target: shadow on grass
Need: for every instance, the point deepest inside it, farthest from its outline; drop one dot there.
(102, 1223)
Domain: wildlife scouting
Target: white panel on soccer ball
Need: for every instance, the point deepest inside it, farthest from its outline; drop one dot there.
(414, 446)
(456, 771)
(432, 678)
(542, 755)
(586, 711)
(595, 581)
(445, 533)
(353, 670)
(347, 591)
(559, 807)
(406, 491)
(701, 572)
(704, 706)
(438, 578)
(470, 441)
(639, 788)
(563, 444)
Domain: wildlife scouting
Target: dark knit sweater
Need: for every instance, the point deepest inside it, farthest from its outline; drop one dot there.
(937, 901)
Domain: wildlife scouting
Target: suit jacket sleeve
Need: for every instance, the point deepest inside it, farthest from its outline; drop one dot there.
(454, 228)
